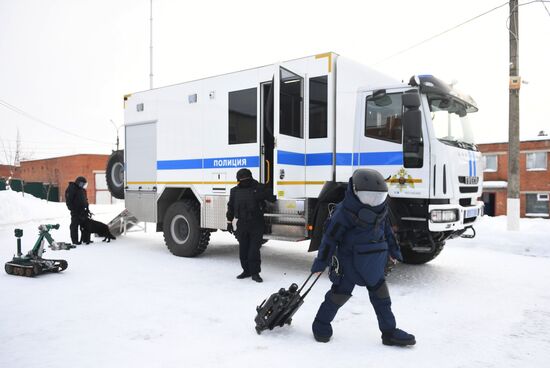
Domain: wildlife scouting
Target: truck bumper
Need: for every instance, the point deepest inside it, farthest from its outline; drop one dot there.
(466, 216)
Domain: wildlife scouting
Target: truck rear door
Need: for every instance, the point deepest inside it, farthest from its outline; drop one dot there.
(290, 157)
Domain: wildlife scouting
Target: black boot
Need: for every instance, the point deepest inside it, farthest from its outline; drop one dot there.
(243, 275)
(398, 337)
(256, 277)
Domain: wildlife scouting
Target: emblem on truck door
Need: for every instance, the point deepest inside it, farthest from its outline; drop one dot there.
(402, 180)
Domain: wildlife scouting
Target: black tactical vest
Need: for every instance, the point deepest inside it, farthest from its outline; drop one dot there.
(248, 205)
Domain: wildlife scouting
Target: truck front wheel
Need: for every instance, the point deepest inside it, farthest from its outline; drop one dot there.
(181, 227)
(413, 257)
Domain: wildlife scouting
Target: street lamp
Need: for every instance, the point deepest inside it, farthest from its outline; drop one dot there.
(117, 129)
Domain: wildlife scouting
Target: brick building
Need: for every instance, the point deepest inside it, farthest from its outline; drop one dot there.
(534, 177)
(62, 170)
(5, 171)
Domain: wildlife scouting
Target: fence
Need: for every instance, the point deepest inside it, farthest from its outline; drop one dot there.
(39, 190)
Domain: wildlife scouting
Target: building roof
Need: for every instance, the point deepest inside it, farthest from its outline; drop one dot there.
(532, 139)
(497, 184)
(65, 157)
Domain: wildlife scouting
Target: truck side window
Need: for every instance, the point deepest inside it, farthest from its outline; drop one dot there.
(291, 110)
(242, 116)
(383, 118)
(318, 112)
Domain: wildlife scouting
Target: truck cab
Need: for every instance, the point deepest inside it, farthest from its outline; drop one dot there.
(435, 190)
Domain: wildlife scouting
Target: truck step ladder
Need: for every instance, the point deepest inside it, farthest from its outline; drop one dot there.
(125, 221)
(285, 226)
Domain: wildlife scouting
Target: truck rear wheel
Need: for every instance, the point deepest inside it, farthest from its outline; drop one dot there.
(412, 257)
(115, 174)
(182, 233)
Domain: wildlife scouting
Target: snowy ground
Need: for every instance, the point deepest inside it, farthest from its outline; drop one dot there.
(482, 303)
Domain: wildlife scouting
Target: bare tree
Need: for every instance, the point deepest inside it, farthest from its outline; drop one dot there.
(13, 154)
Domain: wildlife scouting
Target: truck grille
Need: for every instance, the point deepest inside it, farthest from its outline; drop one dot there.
(468, 189)
(465, 202)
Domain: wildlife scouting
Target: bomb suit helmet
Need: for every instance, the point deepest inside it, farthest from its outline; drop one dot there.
(369, 186)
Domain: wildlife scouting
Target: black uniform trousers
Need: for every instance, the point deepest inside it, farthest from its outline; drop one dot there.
(249, 235)
(79, 221)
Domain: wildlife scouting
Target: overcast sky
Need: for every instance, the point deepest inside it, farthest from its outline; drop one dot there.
(69, 62)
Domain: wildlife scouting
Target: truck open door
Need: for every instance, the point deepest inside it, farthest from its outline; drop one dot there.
(290, 157)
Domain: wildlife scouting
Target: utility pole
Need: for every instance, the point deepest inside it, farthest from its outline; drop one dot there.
(117, 137)
(151, 47)
(513, 203)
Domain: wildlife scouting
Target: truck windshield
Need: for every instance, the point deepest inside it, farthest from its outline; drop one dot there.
(450, 121)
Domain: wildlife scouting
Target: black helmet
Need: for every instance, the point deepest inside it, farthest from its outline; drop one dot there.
(369, 186)
(81, 182)
(243, 174)
(368, 180)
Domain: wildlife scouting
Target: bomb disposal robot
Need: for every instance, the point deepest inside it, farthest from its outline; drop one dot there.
(302, 127)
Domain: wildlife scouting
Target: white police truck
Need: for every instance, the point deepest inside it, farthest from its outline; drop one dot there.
(302, 127)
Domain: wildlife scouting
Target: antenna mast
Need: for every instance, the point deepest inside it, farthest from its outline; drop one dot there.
(151, 46)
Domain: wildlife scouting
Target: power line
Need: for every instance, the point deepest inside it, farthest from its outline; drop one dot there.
(31, 117)
(442, 33)
(543, 4)
(522, 4)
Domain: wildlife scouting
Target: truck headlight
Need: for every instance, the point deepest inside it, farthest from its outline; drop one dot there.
(444, 215)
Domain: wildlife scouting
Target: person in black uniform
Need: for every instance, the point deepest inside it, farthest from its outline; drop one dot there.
(77, 202)
(246, 204)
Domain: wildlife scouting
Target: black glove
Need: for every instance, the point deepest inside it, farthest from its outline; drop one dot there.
(230, 227)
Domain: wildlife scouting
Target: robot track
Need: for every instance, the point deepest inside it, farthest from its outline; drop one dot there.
(36, 267)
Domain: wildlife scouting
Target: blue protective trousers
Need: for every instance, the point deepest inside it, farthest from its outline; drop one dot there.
(339, 294)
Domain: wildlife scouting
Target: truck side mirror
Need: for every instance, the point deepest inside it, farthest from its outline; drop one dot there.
(413, 145)
(412, 124)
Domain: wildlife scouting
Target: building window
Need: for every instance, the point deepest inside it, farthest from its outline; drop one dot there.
(491, 163)
(318, 112)
(383, 118)
(242, 116)
(536, 204)
(536, 161)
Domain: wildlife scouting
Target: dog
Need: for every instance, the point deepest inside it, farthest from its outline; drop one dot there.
(101, 230)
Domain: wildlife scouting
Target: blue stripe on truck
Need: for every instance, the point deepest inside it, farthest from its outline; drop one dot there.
(179, 164)
(209, 163)
(381, 158)
(288, 158)
(370, 158)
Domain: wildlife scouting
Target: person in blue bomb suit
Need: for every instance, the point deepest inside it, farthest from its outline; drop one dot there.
(356, 242)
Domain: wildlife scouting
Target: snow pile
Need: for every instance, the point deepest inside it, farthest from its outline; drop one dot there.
(531, 240)
(16, 208)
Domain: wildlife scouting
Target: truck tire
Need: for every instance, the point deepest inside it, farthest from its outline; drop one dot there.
(114, 174)
(182, 233)
(412, 257)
